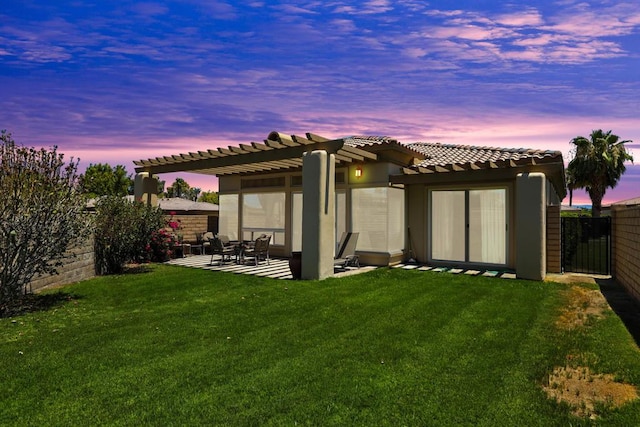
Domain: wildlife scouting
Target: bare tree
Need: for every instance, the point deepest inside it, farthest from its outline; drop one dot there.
(41, 214)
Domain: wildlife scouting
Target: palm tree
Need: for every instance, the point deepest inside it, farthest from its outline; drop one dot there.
(598, 164)
(571, 184)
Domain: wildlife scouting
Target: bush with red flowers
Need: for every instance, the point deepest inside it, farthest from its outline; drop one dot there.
(161, 245)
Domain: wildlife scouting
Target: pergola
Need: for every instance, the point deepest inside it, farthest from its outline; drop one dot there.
(277, 152)
(315, 155)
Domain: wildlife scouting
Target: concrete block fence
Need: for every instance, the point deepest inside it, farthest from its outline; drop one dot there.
(79, 264)
(190, 225)
(625, 247)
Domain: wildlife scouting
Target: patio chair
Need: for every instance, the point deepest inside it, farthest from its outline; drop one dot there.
(205, 239)
(259, 250)
(346, 255)
(225, 239)
(217, 248)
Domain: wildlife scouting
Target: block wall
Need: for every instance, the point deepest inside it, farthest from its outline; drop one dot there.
(190, 225)
(554, 243)
(625, 248)
(78, 265)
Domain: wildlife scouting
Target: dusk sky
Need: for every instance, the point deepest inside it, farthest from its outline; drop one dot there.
(118, 81)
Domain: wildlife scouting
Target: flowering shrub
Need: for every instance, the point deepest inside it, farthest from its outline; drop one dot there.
(123, 233)
(175, 225)
(161, 245)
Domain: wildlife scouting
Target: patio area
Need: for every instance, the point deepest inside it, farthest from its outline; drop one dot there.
(278, 268)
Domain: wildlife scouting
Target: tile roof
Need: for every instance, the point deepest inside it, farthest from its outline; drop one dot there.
(628, 202)
(367, 141)
(448, 154)
(437, 157)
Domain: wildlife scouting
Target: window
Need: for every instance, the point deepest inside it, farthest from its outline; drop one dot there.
(447, 225)
(228, 212)
(296, 222)
(469, 226)
(378, 215)
(487, 226)
(263, 213)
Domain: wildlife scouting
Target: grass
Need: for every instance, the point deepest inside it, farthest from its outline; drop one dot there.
(176, 346)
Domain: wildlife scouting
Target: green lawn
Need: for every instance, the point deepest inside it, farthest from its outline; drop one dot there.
(177, 346)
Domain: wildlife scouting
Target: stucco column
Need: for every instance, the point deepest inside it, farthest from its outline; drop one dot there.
(145, 188)
(318, 214)
(531, 245)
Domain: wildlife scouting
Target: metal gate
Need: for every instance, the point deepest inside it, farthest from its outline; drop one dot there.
(586, 245)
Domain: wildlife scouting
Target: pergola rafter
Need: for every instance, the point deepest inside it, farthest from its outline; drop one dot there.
(277, 152)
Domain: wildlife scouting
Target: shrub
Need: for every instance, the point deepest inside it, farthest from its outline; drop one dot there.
(41, 214)
(161, 246)
(124, 231)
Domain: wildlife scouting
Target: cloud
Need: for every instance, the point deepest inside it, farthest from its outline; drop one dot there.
(611, 21)
(294, 10)
(174, 78)
(529, 35)
(531, 18)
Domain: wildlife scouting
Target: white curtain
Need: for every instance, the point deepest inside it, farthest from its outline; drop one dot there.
(263, 213)
(296, 222)
(228, 215)
(448, 225)
(395, 220)
(341, 216)
(378, 215)
(486, 240)
(487, 226)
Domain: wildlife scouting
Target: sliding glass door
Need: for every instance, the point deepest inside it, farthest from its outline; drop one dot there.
(448, 225)
(469, 226)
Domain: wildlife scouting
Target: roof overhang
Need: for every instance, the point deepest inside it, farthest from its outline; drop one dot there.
(488, 171)
(278, 152)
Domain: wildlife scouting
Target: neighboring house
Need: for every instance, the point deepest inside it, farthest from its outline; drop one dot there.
(606, 209)
(439, 204)
(573, 209)
(195, 218)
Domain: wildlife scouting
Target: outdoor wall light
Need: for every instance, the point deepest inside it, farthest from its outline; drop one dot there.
(358, 171)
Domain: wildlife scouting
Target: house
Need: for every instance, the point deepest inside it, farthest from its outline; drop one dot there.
(453, 205)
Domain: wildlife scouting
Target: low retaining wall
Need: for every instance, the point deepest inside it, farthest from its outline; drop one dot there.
(625, 248)
(78, 265)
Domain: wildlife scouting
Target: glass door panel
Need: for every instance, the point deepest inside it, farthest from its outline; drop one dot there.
(487, 226)
(448, 225)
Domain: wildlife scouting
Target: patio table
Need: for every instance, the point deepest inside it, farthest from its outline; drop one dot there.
(238, 250)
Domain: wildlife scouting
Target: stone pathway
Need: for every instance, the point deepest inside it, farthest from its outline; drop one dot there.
(487, 273)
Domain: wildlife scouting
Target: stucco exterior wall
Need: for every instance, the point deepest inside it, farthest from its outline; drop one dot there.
(531, 226)
(625, 246)
(417, 221)
(79, 265)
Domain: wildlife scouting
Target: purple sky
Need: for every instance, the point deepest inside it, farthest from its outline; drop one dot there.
(117, 81)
